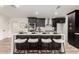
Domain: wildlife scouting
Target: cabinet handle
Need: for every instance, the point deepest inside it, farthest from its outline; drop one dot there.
(70, 28)
(70, 24)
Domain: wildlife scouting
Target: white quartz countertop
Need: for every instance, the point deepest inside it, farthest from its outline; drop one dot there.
(38, 34)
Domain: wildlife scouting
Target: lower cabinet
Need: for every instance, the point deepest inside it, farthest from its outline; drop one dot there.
(74, 40)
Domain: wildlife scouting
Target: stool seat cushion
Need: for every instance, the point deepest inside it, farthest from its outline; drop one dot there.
(33, 40)
(46, 40)
(59, 40)
(20, 40)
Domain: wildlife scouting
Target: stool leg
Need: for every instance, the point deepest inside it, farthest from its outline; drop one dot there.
(24, 51)
(62, 48)
(27, 47)
(14, 48)
(19, 51)
(54, 51)
(39, 52)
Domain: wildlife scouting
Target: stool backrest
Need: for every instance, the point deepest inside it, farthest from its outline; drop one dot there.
(57, 37)
(20, 37)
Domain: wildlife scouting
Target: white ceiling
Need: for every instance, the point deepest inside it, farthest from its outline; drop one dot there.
(43, 10)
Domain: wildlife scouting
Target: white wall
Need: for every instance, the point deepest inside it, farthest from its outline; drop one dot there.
(17, 25)
(4, 26)
(65, 30)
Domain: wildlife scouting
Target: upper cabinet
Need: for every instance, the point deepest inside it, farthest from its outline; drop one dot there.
(58, 20)
(40, 22)
(32, 20)
(73, 21)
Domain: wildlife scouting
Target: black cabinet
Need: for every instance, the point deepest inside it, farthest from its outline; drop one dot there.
(57, 20)
(54, 23)
(40, 22)
(32, 20)
(73, 27)
(71, 23)
(60, 20)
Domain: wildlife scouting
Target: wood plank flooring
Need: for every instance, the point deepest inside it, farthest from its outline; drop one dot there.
(5, 46)
(71, 49)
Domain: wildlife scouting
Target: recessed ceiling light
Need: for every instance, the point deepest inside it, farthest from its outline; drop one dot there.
(36, 12)
(58, 7)
(56, 13)
(15, 6)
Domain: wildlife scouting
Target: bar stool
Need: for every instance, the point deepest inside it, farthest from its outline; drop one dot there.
(33, 44)
(58, 44)
(46, 44)
(20, 44)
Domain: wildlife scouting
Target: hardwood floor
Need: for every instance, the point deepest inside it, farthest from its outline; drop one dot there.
(5, 47)
(71, 49)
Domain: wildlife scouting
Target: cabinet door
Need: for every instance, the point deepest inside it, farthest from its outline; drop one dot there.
(77, 22)
(62, 20)
(32, 21)
(54, 23)
(71, 23)
(41, 22)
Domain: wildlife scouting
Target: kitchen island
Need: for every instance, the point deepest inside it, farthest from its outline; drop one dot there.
(39, 36)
